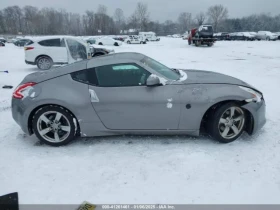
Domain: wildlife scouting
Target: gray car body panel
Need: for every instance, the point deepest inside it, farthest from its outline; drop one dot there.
(133, 110)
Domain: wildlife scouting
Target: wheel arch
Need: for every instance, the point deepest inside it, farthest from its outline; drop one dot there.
(249, 127)
(42, 55)
(32, 113)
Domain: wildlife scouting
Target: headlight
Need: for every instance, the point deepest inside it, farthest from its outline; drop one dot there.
(256, 96)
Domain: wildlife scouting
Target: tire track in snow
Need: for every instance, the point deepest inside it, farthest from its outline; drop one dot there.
(5, 105)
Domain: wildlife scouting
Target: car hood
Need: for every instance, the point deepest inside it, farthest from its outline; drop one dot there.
(209, 77)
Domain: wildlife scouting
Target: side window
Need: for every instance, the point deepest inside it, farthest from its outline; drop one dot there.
(87, 76)
(50, 43)
(121, 75)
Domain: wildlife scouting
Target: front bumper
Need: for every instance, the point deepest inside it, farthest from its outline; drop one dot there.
(258, 113)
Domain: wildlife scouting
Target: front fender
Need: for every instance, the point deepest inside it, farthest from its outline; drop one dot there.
(202, 97)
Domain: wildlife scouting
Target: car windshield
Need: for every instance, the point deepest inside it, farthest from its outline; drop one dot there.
(206, 29)
(91, 41)
(160, 68)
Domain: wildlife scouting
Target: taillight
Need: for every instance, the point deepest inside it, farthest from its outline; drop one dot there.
(19, 91)
(28, 48)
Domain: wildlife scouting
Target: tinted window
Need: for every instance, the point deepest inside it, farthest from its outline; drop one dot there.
(87, 76)
(121, 75)
(50, 43)
(29, 42)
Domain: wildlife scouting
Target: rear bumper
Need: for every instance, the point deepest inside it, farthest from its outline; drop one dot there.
(258, 112)
(30, 63)
(19, 115)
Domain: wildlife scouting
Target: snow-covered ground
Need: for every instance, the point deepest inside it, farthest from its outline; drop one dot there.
(130, 169)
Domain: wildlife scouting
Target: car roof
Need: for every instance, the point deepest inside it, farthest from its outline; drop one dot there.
(116, 58)
(41, 38)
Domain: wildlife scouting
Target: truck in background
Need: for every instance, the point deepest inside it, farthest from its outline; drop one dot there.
(149, 36)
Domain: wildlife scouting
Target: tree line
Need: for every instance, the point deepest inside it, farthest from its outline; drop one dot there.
(30, 20)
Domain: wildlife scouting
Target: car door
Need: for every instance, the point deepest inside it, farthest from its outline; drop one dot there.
(76, 50)
(54, 49)
(124, 102)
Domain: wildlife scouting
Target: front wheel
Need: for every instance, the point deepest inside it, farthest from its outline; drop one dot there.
(54, 125)
(227, 123)
(116, 44)
(100, 43)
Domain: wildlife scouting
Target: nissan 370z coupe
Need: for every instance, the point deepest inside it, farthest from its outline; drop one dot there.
(130, 93)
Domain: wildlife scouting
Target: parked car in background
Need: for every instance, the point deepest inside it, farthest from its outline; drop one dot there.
(266, 35)
(91, 41)
(56, 50)
(149, 36)
(134, 39)
(222, 36)
(23, 42)
(185, 36)
(127, 93)
(97, 50)
(2, 44)
(119, 38)
(108, 41)
(176, 36)
(3, 40)
(278, 34)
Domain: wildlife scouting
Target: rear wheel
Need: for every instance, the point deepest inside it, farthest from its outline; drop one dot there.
(210, 44)
(227, 123)
(54, 125)
(116, 44)
(44, 63)
(100, 43)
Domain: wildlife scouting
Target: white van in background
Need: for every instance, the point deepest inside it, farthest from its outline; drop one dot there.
(149, 36)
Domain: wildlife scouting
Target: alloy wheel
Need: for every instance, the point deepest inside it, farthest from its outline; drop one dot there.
(44, 63)
(53, 126)
(231, 122)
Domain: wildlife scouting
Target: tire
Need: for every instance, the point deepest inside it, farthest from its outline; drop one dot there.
(100, 43)
(44, 62)
(210, 44)
(116, 44)
(147, 40)
(128, 42)
(141, 42)
(224, 128)
(50, 138)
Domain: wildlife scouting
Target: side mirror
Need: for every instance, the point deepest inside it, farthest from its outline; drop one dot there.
(153, 80)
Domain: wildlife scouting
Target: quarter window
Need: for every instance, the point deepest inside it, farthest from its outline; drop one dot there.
(87, 76)
(121, 75)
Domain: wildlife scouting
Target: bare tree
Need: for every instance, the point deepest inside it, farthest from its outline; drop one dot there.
(119, 19)
(142, 15)
(200, 18)
(217, 14)
(184, 21)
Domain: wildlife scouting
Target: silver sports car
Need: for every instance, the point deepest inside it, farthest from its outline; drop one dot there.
(130, 93)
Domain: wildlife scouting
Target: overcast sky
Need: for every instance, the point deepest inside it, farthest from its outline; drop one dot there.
(159, 9)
